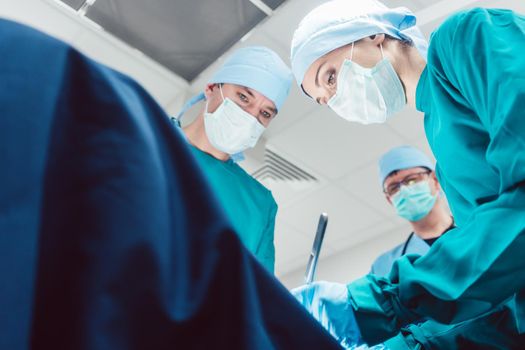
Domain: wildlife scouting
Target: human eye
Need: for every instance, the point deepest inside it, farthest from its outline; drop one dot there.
(242, 97)
(266, 114)
(411, 180)
(331, 78)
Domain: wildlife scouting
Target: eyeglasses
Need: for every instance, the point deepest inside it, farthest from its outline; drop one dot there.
(411, 179)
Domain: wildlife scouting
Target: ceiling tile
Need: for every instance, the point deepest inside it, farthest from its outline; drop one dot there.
(292, 248)
(289, 243)
(408, 123)
(515, 5)
(364, 185)
(438, 11)
(54, 19)
(283, 23)
(296, 108)
(413, 5)
(75, 4)
(297, 266)
(184, 36)
(332, 146)
(377, 229)
(288, 192)
(422, 144)
(161, 84)
(346, 214)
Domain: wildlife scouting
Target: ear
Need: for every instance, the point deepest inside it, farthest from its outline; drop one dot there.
(209, 89)
(377, 39)
(388, 199)
(435, 179)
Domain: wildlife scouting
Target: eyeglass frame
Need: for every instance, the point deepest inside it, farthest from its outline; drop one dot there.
(403, 182)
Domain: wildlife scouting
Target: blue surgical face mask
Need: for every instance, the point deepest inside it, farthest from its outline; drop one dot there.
(367, 95)
(414, 202)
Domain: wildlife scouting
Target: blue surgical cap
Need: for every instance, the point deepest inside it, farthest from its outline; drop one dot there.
(340, 22)
(256, 67)
(402, 157)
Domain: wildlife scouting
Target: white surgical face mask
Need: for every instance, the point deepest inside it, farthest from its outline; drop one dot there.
(367, 95)
(230, 129)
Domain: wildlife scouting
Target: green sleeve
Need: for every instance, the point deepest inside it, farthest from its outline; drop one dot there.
(474, 268)
(484, 59)
(266, 248)
(496, 330)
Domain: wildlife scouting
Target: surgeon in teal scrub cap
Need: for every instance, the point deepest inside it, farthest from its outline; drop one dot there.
(238, 104)
(366, 62)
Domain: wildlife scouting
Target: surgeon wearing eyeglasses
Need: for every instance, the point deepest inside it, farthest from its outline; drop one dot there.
(410, 185)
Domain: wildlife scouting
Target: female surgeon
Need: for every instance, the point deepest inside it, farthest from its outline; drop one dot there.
(366, 61)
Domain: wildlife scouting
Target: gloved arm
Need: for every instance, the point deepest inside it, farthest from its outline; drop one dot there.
(497, 330)
(328, 303)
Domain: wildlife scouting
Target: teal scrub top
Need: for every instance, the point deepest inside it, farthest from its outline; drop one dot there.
(413, 245)
(249, 205)
(472, 92)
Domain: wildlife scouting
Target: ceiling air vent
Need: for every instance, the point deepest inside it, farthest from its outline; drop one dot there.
(276, 168)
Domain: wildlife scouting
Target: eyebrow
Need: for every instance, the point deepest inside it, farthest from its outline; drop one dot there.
(248, 90)
(317, 78)
(317, 74)
(271, 109)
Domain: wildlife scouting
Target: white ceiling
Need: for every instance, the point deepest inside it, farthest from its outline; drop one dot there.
(342, 156)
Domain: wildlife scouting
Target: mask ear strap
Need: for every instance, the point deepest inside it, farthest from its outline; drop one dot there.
(352, 51)
(382, 53)
(220, 89)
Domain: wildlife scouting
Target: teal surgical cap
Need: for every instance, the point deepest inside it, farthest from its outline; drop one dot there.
(403, 157)
(340, 22)
(257, 68)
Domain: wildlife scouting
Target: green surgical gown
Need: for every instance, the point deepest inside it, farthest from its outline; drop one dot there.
(472, 92)
(248, 204)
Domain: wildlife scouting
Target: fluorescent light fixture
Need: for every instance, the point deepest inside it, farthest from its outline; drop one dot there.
(85, 6)
(263, 7)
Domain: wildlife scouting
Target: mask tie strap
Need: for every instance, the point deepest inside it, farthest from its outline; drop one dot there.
(382, 53)
(220, 89)
(352, 51)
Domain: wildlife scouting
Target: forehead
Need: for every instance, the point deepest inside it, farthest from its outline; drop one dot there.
(254, 94)
(401, 174)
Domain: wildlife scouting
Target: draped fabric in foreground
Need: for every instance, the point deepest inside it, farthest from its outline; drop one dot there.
(109, 236)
